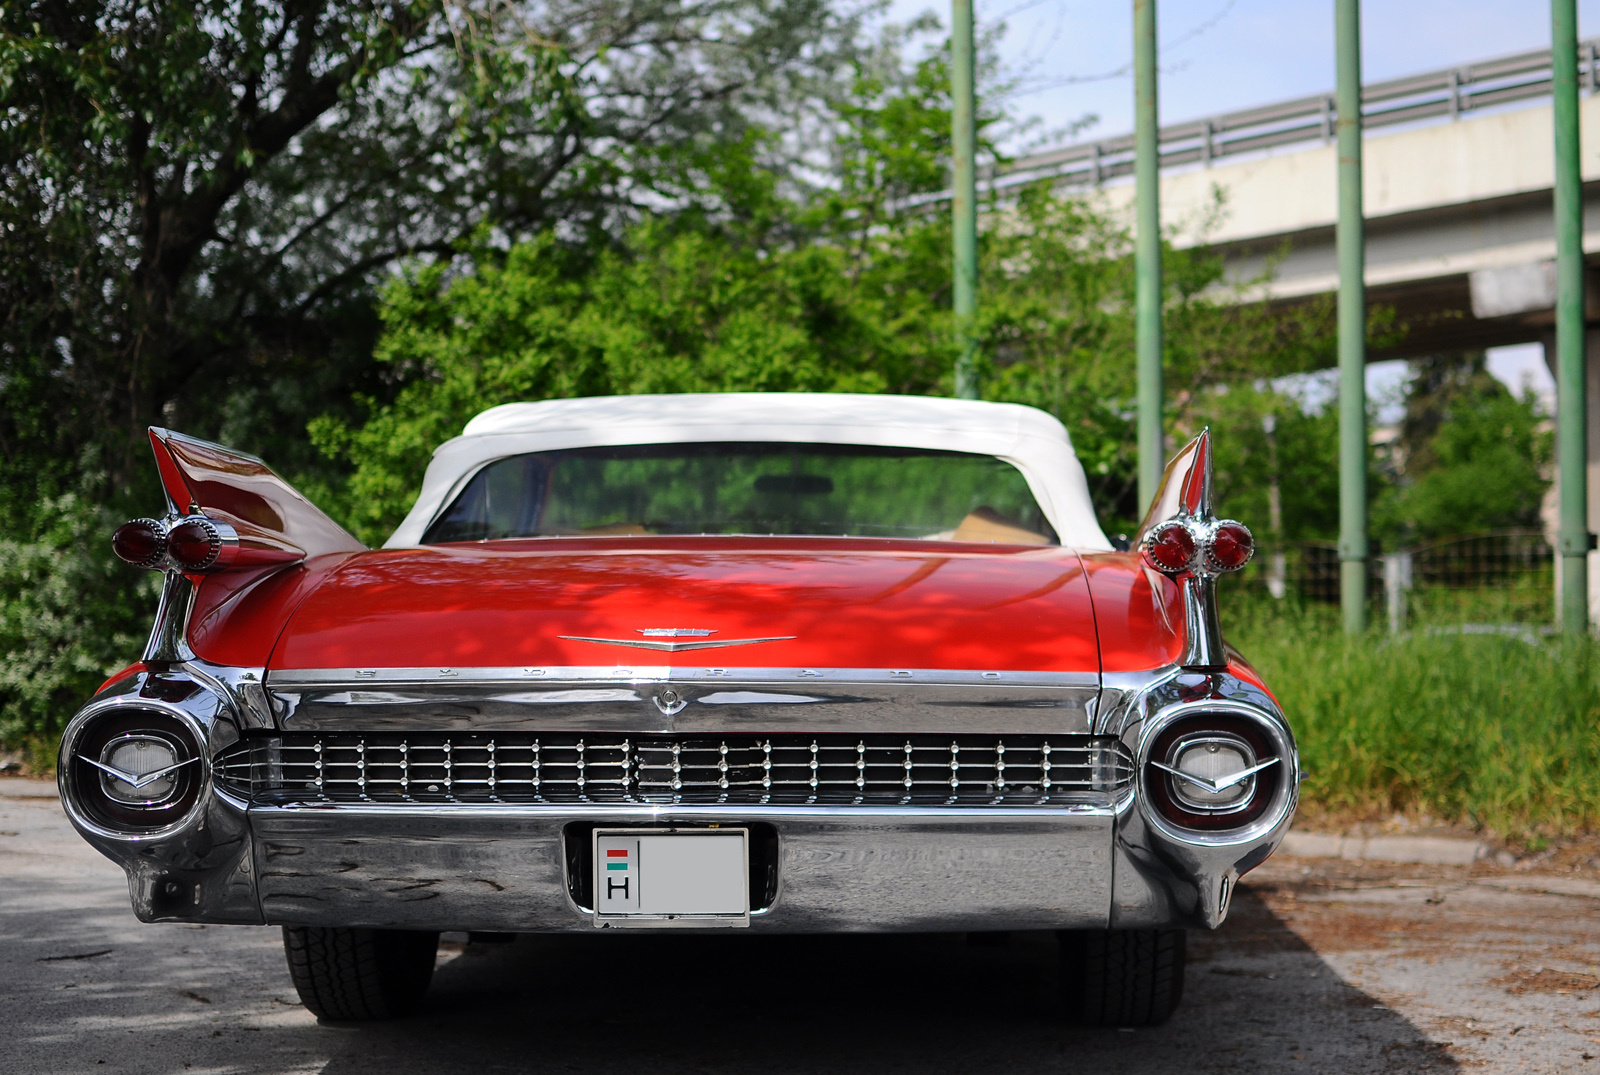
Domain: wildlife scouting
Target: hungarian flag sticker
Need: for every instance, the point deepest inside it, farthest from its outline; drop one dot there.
(618, 875)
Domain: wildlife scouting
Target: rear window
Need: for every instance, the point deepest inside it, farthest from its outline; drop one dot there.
(747, 488)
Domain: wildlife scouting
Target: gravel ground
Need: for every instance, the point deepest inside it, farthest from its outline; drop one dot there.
(1324, 966)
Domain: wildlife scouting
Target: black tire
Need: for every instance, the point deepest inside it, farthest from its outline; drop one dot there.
(350, 974)
(1122, 977)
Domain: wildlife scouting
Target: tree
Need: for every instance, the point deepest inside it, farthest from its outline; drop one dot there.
(1471, 456)
(200, 198)
(842, 289)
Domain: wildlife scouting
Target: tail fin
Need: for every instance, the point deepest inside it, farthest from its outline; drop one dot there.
(1185, 488)
(273, 521)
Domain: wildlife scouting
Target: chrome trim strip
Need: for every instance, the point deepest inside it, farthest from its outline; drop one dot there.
(688, 812)
(1121, 693)
(674, 703)
(673, 647)
(1202, 625)
(330, 678)
(244, 688)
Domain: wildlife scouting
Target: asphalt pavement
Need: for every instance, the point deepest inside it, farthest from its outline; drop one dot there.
(1324, 966)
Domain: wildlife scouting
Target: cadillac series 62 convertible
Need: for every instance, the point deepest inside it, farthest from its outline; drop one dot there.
(781, 663)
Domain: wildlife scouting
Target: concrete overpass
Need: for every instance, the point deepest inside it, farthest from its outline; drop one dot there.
(1459, 168)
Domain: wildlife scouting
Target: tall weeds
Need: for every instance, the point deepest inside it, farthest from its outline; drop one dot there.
(1493, 730)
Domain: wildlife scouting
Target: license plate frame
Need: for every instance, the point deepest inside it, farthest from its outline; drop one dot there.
(701, 877)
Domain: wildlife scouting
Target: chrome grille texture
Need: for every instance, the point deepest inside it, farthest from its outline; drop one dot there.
(753, 769)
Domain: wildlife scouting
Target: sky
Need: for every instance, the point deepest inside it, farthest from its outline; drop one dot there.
(1071, 59)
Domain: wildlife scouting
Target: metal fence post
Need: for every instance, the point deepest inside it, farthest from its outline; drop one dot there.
(1571, 432)
(1352, 321)
(964, 203)
(1147, 249)
(1276, 562)
(1396, 581)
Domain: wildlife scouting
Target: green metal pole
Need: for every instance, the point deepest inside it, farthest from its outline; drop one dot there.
(1147, 248)
(1352, 322)
(964, 138)
(1571, 434)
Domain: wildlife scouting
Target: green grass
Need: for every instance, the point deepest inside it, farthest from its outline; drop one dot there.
(1501, 733)
(1523, 598)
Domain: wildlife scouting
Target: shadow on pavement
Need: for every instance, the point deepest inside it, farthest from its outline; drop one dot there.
(1257, 998)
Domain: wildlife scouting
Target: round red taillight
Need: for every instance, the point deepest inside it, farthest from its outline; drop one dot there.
(1170, 547)
(194, 544)
(141, 542)
(1229, 547)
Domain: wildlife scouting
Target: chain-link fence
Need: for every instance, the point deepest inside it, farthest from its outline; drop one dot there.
(1502, 577)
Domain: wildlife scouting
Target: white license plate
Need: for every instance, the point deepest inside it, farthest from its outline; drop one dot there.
(671, 877)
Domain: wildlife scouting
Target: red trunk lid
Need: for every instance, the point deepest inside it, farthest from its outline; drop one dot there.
(847, 603)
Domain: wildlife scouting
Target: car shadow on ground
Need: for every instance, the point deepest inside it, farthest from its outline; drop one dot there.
(1257, 998)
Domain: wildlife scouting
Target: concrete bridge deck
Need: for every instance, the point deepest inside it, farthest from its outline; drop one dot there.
(1459, 171)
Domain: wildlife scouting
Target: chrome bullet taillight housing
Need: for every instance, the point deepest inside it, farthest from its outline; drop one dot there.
(1184, 540)
(192, 544)
(1198, 546)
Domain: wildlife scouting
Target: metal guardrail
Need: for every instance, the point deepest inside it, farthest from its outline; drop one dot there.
(1449, 92)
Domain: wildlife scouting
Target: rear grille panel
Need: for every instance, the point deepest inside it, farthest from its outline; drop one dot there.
(744, 768)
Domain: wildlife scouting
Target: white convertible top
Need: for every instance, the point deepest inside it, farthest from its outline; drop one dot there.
(1032, 441)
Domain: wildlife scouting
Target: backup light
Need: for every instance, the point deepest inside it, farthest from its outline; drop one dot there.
(140, 770)
(132, 770)
(1213, 771)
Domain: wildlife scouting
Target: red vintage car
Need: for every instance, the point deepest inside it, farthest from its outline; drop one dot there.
(770, 662)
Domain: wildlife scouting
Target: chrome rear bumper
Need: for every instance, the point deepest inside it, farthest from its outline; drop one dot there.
(239, 854)
(839, 869)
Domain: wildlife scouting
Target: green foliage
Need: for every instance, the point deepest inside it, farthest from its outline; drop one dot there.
(1471, 456)
(59, 645)
(1057, 309)
(199, 199)
(841, 291)
(1435, 722)
(1267, 439)
(678, 309)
